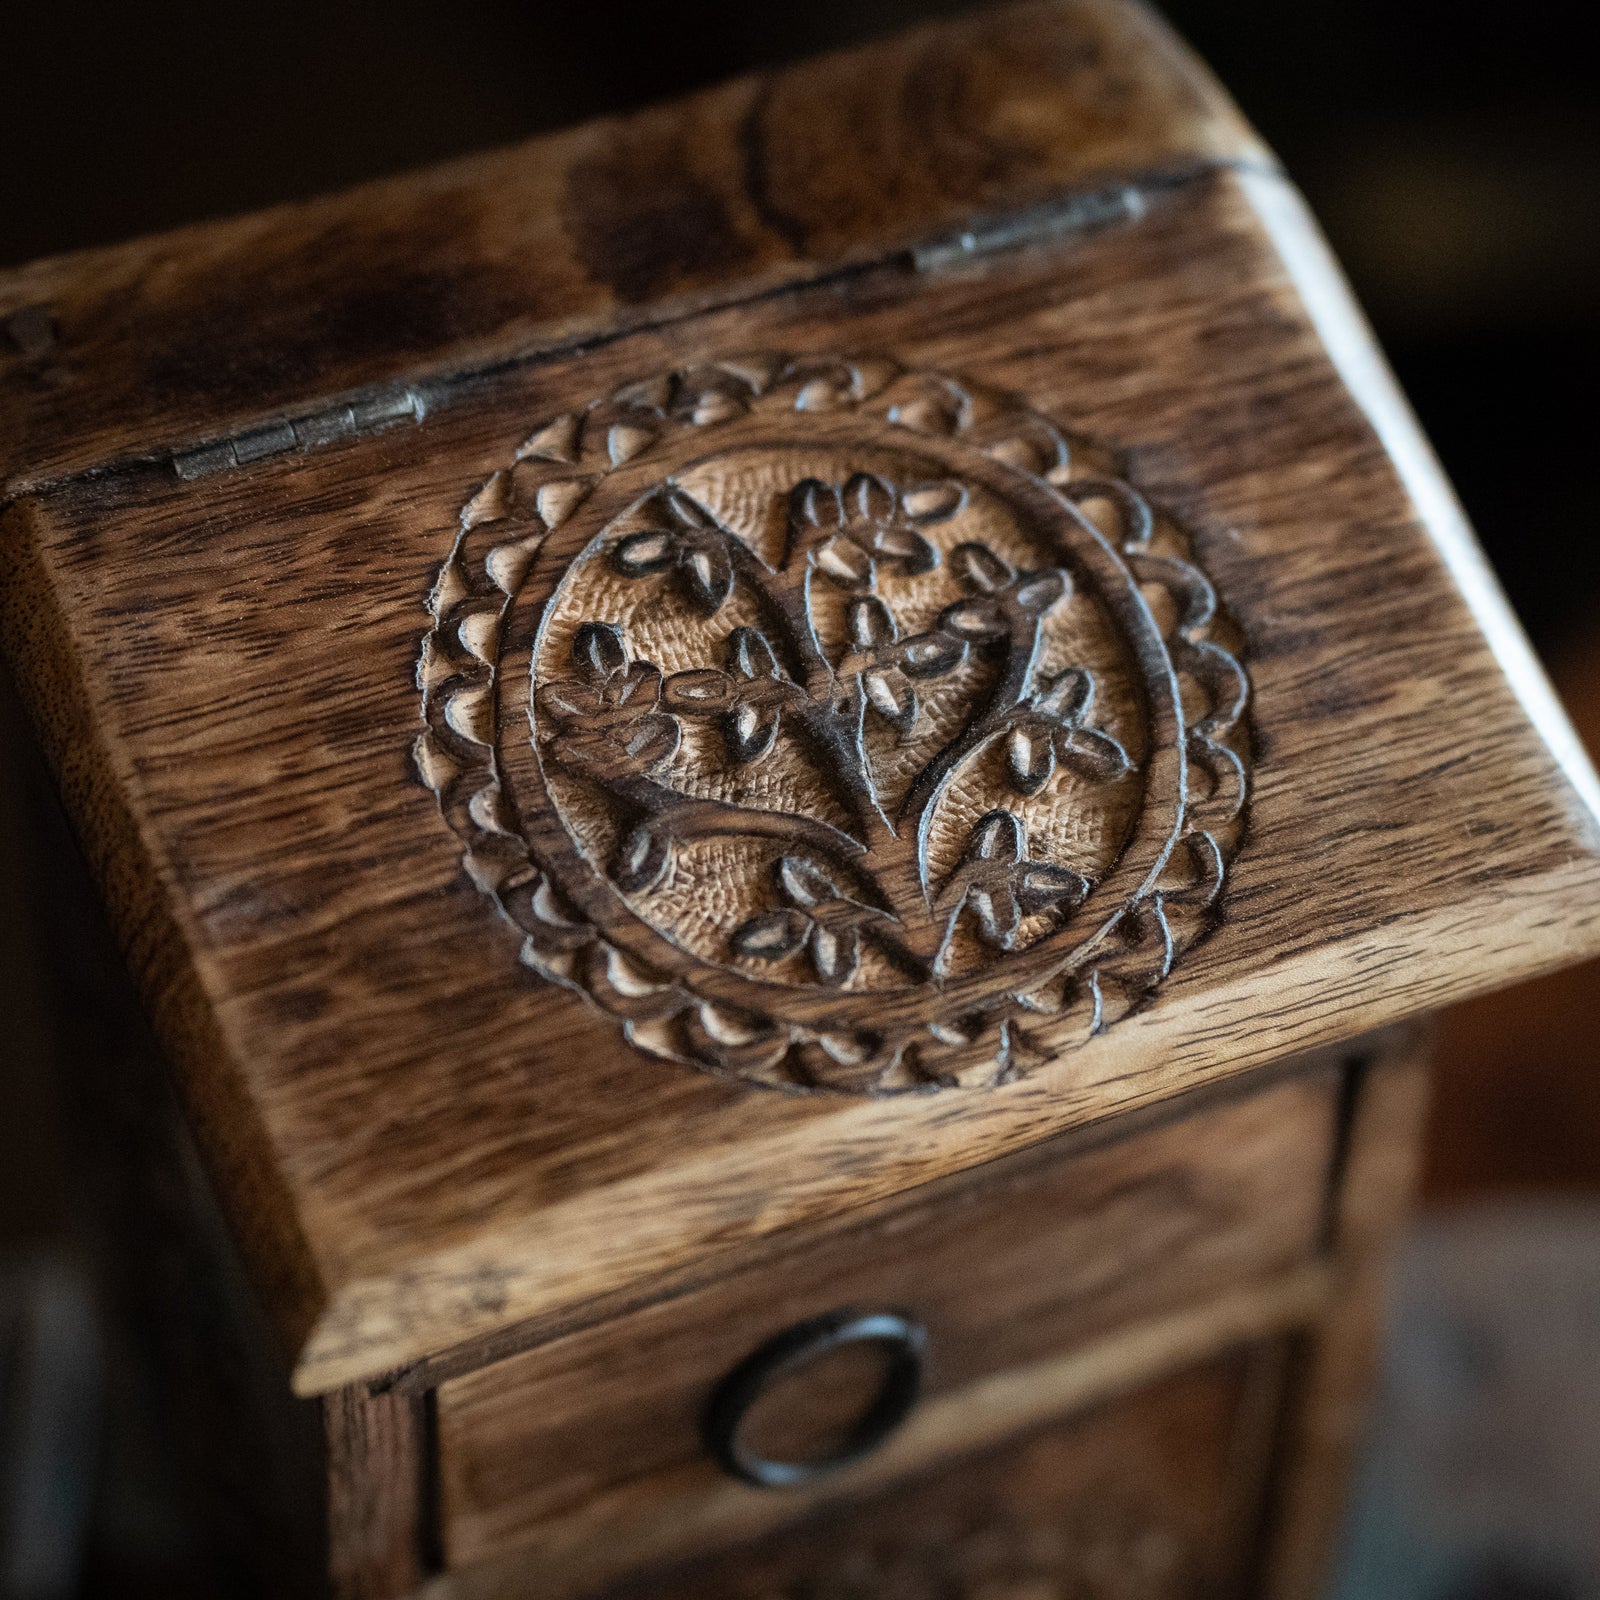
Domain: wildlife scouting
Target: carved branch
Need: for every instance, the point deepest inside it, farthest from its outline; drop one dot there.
(1004, 608)
(841, 536)
(663, 817)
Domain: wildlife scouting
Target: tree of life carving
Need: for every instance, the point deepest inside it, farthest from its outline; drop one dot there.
(796, 688)
(835, 725)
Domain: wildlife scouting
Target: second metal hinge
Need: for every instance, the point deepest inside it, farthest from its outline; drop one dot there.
(1083, 213)
(387, 409)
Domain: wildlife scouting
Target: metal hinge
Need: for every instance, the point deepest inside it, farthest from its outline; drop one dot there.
(387, 409)
(1060, 219)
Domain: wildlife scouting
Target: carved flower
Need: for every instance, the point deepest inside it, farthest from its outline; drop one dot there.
(608, 717)
(999, 597)
(1054, 727)
(849, 531)
(996, 882)
(888, 666)
(819, 919)
(749, 698)
(686, 540)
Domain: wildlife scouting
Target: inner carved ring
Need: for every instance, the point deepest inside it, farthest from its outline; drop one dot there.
(834, 724)
(820, 720)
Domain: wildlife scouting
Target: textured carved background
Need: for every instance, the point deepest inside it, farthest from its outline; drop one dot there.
(871, 714)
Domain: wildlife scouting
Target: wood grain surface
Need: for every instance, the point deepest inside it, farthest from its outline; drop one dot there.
(1152, 1496)
(930, 754)
(243, 681)
(419, 1140)
(379, 1469)
(763, 183)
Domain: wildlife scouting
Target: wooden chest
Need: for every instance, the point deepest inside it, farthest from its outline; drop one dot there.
(782, 778)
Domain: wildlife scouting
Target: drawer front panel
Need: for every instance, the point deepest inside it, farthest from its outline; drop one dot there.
(594, 1442)
(1155, 1495)
(1150, 1497)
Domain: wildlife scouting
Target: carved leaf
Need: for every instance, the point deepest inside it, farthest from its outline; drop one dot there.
(1067, 697)
(702, 689)
(868, 498)
(997, 837)
(932, 655)
(750, 654)
(1093, 754)
(998, 915)
(772, 936)
(1044, 885)
(707, 575)
(814, 504)
(934, 502)
(686, 511)
(805, 883)
(749, 732)
(891, 697)
(653, 740)
(871, 624)
(906, 548)
(846, 563)
(1030, 756)
(597, 650)
(642, 553)
(640, 861)
(978, 619)
(569, 699)
(1041, 590)
(835, 953)
(639, 686)
(980, 569)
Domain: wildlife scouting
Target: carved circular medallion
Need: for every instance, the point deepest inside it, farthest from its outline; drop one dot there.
(832, 724)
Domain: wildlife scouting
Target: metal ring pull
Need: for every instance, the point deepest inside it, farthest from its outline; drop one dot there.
(795, 1348)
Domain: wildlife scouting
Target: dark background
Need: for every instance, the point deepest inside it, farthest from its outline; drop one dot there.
(1451, 152)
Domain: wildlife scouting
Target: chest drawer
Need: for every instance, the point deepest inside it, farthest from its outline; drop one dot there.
(1148, 1497)
(849, 707)
(591, 1449)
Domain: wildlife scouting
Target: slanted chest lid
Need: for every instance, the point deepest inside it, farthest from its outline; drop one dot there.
(800, 641)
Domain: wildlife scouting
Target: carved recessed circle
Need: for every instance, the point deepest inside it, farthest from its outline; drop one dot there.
(832, 724)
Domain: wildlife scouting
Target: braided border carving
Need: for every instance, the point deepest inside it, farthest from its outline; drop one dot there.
(504, 523)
